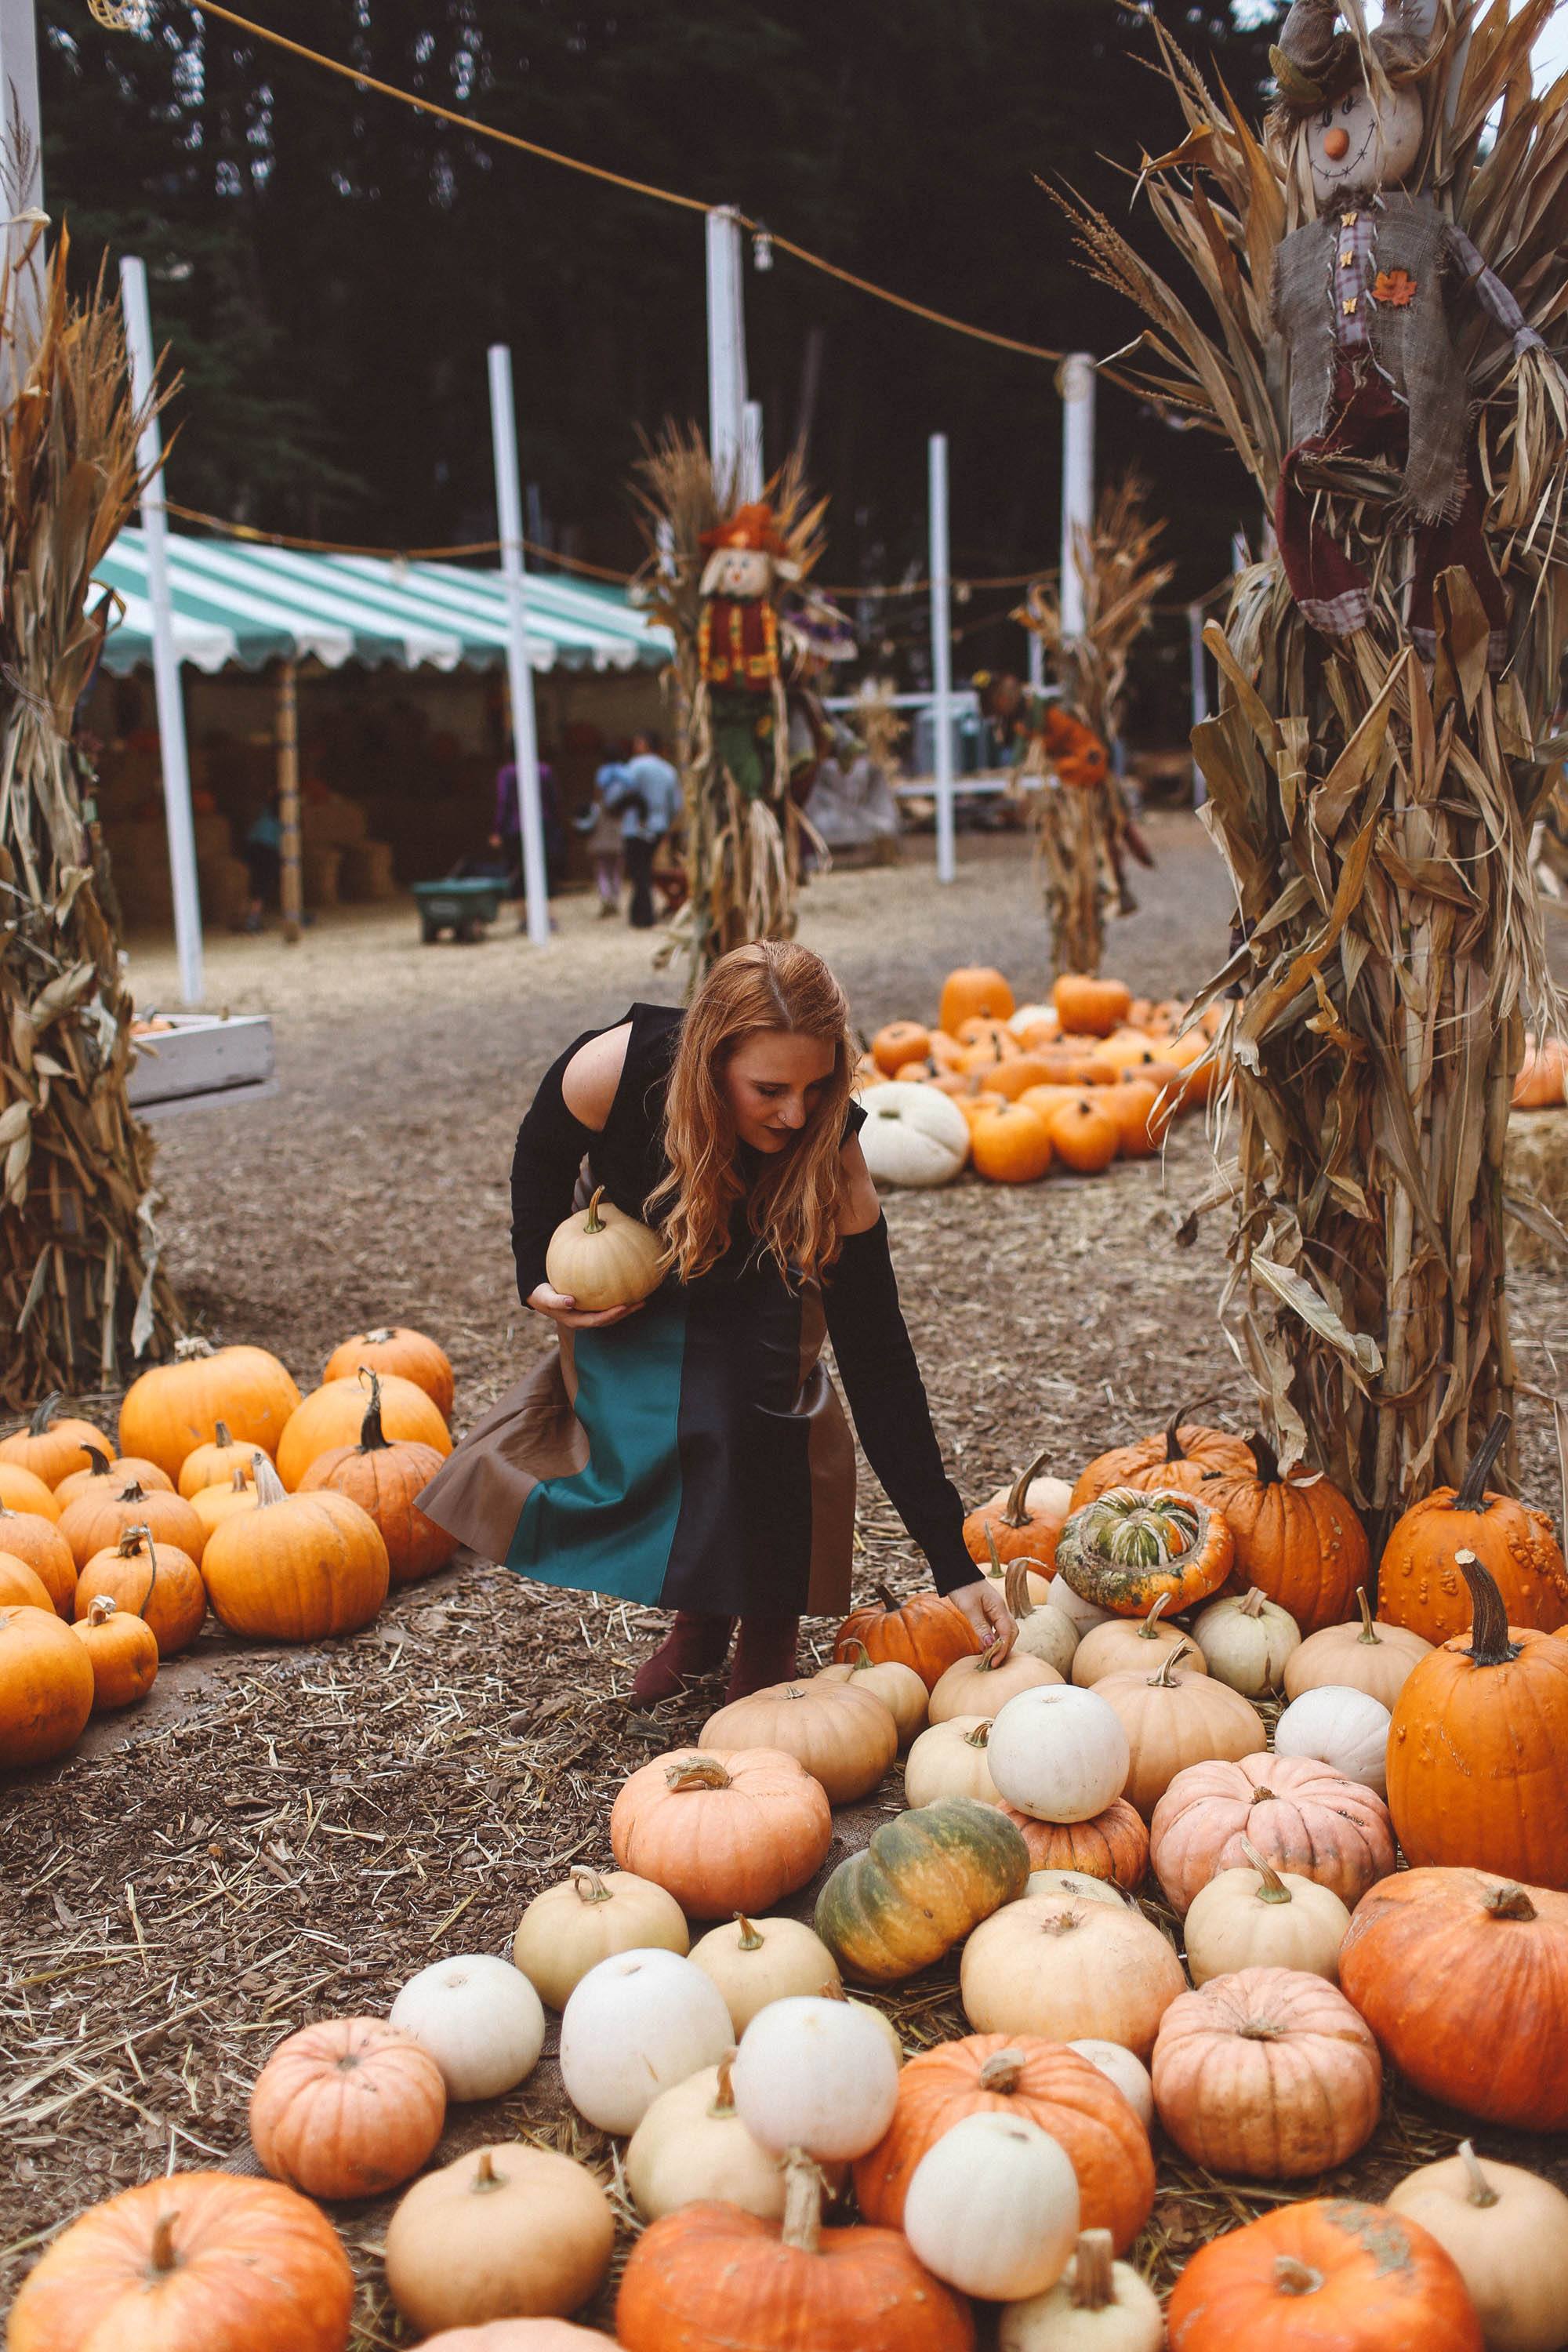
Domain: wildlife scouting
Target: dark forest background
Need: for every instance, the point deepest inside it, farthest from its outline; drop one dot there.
(327, 267)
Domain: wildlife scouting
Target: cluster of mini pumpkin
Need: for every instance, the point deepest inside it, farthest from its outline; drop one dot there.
(1015, 1090)
(288, 1517)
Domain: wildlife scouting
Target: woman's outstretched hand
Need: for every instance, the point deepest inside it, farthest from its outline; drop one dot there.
(982, 1604)
(562, 1309)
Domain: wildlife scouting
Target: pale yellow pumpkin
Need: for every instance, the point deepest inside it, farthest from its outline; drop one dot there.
(1068, 1970)
(1507, 2231)
(980, 1686)
(691, 2147)
(1367, 1654)
(570, 1928)
(950, 1760)
(755, 1961)
(899, 1688)
(844, 1736)
(1260, 1918)
(600, 1258)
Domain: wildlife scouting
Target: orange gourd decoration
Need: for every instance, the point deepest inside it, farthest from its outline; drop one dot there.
(1129, 1548)
(23, 1490)
(347, 2109)
(899, 1042)
(385, 1478)
(1330, 2274)
(393, 1348)
(711, 2278)
(1010, 1145)
(332, 1416)
(161, 1585)
(46, 1687)
(1463, 1977)
(1016, 1524)
(1044, 2081)
(96, 1520)
(928, 1632)
(1085, 1138)
(1418, 1584)
(1112, 1845)
(1090, 1007)
(121, 1652)
(973, 991)
(104, 1476)
(50, 1448)
(38, 1542)
(177, 1407)
(1298, 1539)
(215, 1463)
(298, 1567)
(22, 1587)
(1477, 1744)
(200, 2262)
(1542, 1074)
(1180, 1455)
(723, 1833)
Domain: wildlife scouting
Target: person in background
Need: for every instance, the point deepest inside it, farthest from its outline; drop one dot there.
(647, 792)
(602, 825)
(264, 856)
(506, 829)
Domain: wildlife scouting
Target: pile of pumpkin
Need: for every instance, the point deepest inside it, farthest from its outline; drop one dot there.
(1012, 2165)
(1013, 1090)
(290, 1518)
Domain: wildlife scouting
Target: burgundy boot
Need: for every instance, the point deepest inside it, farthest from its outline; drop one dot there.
(764, 1654)
(695, 1644)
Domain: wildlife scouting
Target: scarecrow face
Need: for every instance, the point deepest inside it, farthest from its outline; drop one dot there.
(741, 573)
(1360, 143)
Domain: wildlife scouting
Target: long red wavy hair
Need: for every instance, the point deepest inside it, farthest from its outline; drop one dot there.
(792, 1200)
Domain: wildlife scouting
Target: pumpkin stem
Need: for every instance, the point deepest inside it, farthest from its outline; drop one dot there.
(1508, 1901)
(1251, 1604)
(593, 1222)
(697, 1772)
(186, 1350)
(372, 1438)
(484, 2172)
(857, 1656)
(1016, 1587)
(750, 1939)
(1162, 1680)
(39, 1425)
(981, 1734)
(1473, 1495)
(221, 1433)
(1293, 2277)
(1273, 1889)
(98, 1462)
(1267, 1461)
(1489, 1645)
(590, 1887)
(1369, 1632)
(888, 1597)
(101, 1610)
(134, 1493)
(379, 1339)
(130, 1541)
(1150, 1629)
(162, 2256)
(1002, 2072)
(1093, 2286)
(997, 1567)
(1482, 2192)
(1017, 1512)
(269, 1487)
(129, 1548)
(723, 2105)
(802, 2203)
(236, 1483)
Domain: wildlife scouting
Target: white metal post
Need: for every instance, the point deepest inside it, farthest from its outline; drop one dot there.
(726, 346)
(1078, 480)
(752, 465)
(1036, 661)
(520, 673)
(20, 207)
(172, 753)
(1200, 688)
(940, 660)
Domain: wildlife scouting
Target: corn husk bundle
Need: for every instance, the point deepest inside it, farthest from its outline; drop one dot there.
(1376, 816)
(80, 1290)
(743, 856)
(1082, 835)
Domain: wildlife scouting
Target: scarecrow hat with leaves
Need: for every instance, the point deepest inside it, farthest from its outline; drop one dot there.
(1314, 64)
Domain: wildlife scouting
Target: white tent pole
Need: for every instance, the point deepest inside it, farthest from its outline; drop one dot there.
(1036, 661)
(1078, 480)
(726, 346)
(751, 460)
(165, 662)
(520, 675)
(941, 659)
(19, 112)
(1199, 688)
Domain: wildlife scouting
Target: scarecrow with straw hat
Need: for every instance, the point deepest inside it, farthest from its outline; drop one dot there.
(738, 648)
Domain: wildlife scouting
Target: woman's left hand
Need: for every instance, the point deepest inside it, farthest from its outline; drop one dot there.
(982, 1604)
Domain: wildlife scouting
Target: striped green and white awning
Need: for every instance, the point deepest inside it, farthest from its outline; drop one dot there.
(250, 605)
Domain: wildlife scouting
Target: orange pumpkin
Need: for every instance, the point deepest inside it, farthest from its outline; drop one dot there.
(96, 1521)
(1018, 1525)
(392, 1348)
(190, 2263)
(899, 1042)
(1179, 1442)
(1071, 1066)
(1141, 1113)
(927, 1631)
(1329, 2274)
(217, 1503)
(215, 1463)
(347, 2109)
(173, 1409)
(298, 1566)
(121, 1652)
(1085, 1138)
(1091, 1006)
(992, 1038)
(105, 1475)
(1112, 1845)
(973, 1106)
(1010, 1145)
(333, 1415)
(948, 1079)
(46, 1687)
(23, 1490)
(1418, 1584)
(51, 1448)
(160, 1584)
(1475, 1747)
(1268, 2073)
(974, 989)
(1543, 1073)
(385, 1478)
(1297, 1538)
(1046, 2083)
(723, 1833)
(38, 1541)
(1014, 1075)
(22, 1587)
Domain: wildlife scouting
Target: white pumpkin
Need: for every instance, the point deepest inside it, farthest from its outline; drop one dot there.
(817, 2074)
(1041, 1022)
(899, 1688)
(879, 2019)
(692, 2145)
(755, 1961)
(570, 1928)
(982, 1685)
(993, 2207)
(1130, 2074)
(1096, 2305)
(1044, 1631)
(1058, 1754)
(635, 2025)
(1340, 1726)
(1075, 1882)
(1246, 1641)
(1261, 1917)
(1507, 2231)
(951, 1759)
(913, 1135)
(1122, 1645)
(480, 2020)
(1070, 1970)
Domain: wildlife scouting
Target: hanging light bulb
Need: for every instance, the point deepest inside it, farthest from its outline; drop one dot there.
(762, 249)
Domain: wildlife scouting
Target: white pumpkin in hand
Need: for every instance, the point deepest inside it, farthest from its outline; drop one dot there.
(1246, 1641)
(1130, 2074)
(993, 2207)
(1260, 1918)
(692, 2145)
(755, 1961)
(1340, 1726)
(1507, 2231)
(815, 2075)
(480, 2020)
(600, 1258)
(635, 2025)
(913, 1135)
(1098, 2306)
(1059, 1753)
(951, 1759)
(570, 1928)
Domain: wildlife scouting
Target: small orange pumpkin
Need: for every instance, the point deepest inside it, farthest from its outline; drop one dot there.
(1015, 1524)
(385, 1479)
(162, 1585)
(46, 1687)
(30, 1537)
(23, 1490)
(107, 1473)
(215, 1462)
(1543, 1073)
(22, 1587)
(1091, 1006)
(927, 1631)
(298, 1567)
(95, 1522)
(1418, 1584)
(1085, 1138)
(333, 1415)
(1326, 2272)
(1297, 1539)
(1112, 1845)
(1179, 1443)
(214, 1504)
(1141, 1119)
(974, 989)
(393, 1348)
(347, 2109)
(1010, 1145)
(52, 1448)
(898, 1043)
(121, 1652)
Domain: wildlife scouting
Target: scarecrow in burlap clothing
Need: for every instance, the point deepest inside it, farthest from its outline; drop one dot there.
(1363, 297)
(738, 650)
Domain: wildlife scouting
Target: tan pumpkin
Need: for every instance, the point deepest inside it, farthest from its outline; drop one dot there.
(1260, 1918)
(1507, 2231)
(38, 1542)
(899, 1687)
(298, 1567)
(1268, 2073)
(347, 2109)
(1020, 1521)
(1096, 2305)
(174, 1408)
(600, 1258)
(52, 1447)
(334, 1416)
(1368, 1654)
(591, 1915)
(95, 1523)
(22, 1587)
(983, 1686)
(121, 1652)
(504, 2232)
(393, 1348)
(1066, 1969)
(46, 1687)
(1122, 1646)
(691, 2147)
(1112, 1845)
(106, 1477)
(216, 1462)
(156, 1583)
(1088, 1890)
(1174, 1717)
(1044, 1631)
(23, 1490)
(723, 1833)
(1301, 1815)
(385, 1476)
(948, 1759)
(845, 1737)
(754, 1962)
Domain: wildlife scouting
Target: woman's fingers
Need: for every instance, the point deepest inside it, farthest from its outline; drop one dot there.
(982, 1604)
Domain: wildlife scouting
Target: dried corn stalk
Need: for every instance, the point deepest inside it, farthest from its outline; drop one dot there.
(82, 1295)
(1376, 816)
(743, 856)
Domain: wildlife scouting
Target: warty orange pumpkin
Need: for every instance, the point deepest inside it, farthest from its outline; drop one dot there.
(1418, 1584)
(1327, 2275)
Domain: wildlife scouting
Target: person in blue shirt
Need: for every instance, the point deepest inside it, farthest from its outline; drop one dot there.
(647, 791)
